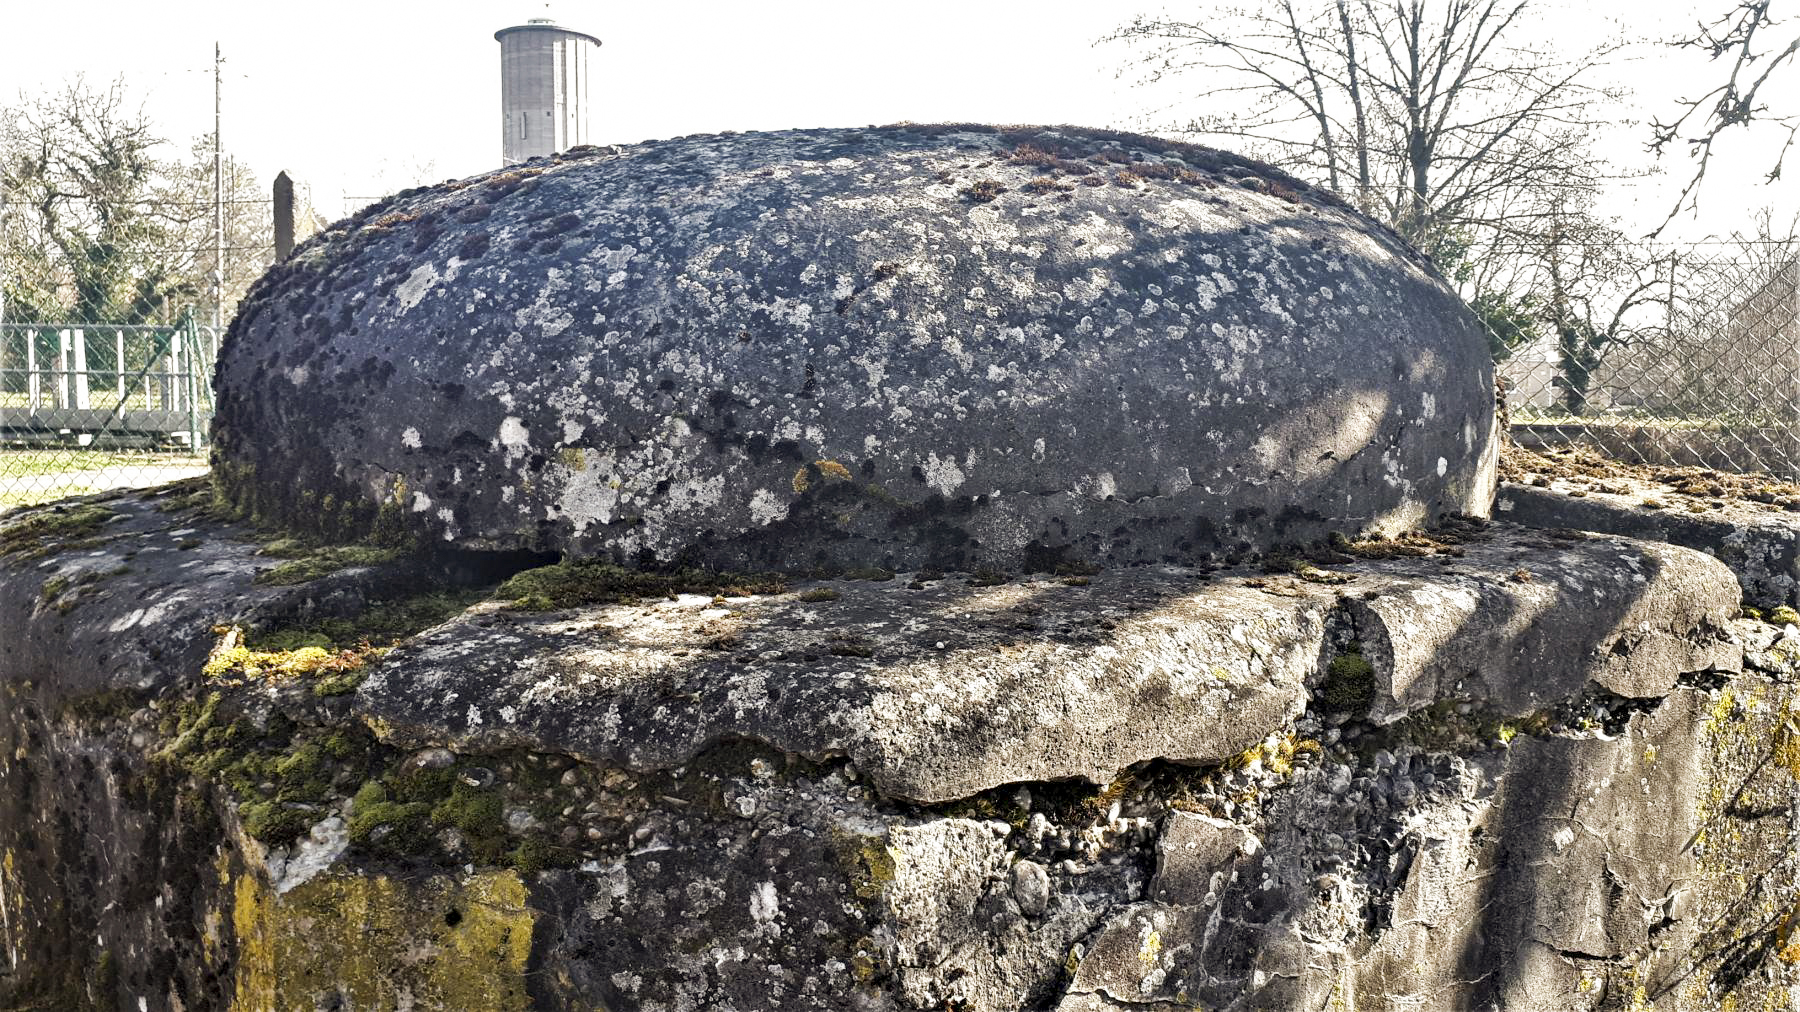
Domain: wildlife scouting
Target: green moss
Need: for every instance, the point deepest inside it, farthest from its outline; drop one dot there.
(573, 584)
(288, 548)
(54, 587)
(340, 684)
(987, 578)
(302, 775)
(479, 815)
(818, 594)
(1349, 682)
(380, 824)
(537, 853)
(35, 535)
(192, 721)
(112, 704)
(1784, 615)
(324, 562)
(106, 979)
(275, 822)
(874, 574)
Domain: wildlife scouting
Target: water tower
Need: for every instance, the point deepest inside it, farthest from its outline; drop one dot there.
(543, 88)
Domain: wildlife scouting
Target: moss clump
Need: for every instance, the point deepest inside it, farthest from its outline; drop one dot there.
(873, 574)
(34, 536)
(337, 670)
(850, 646)
(538, 852)
(1279, 755)
(1349, 682)
(818, 594)
(379, 823)
(402, 814)
(383, 624)
(324, 562)
(276, 823)
(982, 191)
(111, 704)
(288, 548)
(987, 578)
(1784, 615)
(335, 651)
(278, 774)
(574, 584)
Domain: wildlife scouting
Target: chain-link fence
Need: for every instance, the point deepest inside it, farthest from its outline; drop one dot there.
(89, 407)
(1711, 380)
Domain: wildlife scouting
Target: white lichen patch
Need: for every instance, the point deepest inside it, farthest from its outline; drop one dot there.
(942, 474)
(766, 507)
(418, 284)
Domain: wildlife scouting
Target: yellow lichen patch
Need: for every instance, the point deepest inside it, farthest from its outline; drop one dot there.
(1787, 743)
(384, 943)
(1276, 754)
(1151, 948)
(1787, 936)
(870, 860)
(801, 482)
(832, 469)
(234, 662)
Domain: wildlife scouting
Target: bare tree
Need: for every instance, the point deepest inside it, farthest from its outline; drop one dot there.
(1741, 38)
(184, 193)
(78, 167)
(100, 227)
(1596, 284)
(1431, 116)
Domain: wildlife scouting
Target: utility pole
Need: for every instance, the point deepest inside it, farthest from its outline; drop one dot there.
(3, 259)
(218, 275)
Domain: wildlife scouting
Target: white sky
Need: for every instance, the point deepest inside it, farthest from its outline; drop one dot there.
(353, 98)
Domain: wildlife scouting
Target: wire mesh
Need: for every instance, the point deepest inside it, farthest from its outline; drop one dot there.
(88, 407)
(1714, 383)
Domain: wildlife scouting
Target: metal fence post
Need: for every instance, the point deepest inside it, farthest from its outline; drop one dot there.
(32, 387)
(192, 338)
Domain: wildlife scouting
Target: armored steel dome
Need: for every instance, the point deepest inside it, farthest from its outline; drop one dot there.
(953, 346)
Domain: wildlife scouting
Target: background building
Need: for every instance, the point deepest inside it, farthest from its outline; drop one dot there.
(544, 71)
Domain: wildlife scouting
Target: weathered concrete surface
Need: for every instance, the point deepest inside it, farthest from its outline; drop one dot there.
(1525, 618)
(1501, 879)
(1458, 856)
(838, 348)
(962, 688)
(1759, 543)
(941, 692)
(128, 600)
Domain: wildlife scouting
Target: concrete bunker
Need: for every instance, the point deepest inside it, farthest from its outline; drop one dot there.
(1244, 736)
(954, 347)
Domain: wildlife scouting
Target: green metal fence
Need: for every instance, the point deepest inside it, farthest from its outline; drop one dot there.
(88, 407)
